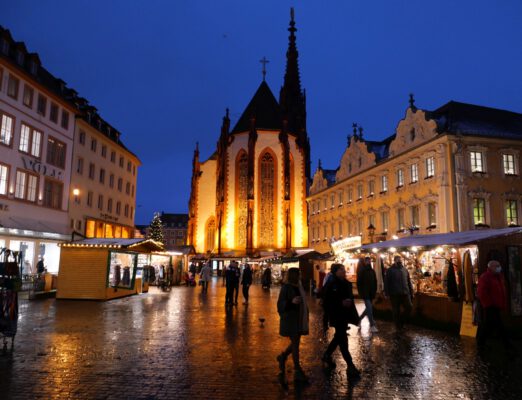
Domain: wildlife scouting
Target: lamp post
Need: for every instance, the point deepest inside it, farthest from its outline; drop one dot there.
(371, 232)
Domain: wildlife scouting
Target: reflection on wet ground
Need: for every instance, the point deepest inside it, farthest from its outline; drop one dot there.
(183, 344)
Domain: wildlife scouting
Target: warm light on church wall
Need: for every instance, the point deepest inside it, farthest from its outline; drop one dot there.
(299, 222)
(206, 206)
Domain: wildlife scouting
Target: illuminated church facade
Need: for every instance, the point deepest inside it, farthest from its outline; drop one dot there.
(249, 197)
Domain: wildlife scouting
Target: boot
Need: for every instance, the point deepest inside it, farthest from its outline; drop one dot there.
(300, 376)
(281, 359)
(328, 362)
(353, 372)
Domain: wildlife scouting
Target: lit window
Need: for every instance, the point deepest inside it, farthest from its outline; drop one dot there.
(371, 188)
(477, 164)
(385, 221)
(20, 185)
(28, 96)
(6, 130)
(384, 183)
(432, 216)
(511, 212)
(414, 172)
(400, 218)
(509, 164)
(430, 167)
(479, 211)
(359, 191)
(350, 195)
(400, 178)
(4, 179)
(415, 216)
(30, 141)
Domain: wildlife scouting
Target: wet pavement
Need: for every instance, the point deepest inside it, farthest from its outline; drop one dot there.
(183, 344)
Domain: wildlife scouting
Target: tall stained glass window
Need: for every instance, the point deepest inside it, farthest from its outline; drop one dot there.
(242, 202)
(266, 211)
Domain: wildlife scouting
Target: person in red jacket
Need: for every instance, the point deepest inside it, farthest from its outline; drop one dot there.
(491, 293)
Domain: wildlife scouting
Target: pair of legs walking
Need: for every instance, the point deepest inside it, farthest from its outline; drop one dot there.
(368, 313)
(293, 349)
(205, 286)
(232, 293)
(397, 301)
(246, 288)
(340, 340)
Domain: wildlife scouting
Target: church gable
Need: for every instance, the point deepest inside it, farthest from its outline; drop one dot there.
(355, 159)
(412, 131)
(319, 182)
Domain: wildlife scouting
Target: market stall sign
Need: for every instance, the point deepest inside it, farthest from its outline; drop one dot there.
(346, 244)
(466, 325)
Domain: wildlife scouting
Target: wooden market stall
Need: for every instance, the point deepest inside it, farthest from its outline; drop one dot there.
(102, 269)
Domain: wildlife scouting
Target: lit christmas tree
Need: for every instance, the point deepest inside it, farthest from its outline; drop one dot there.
(156, 229)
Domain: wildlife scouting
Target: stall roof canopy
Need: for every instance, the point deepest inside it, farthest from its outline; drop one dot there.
(138, 244)
(440, 239)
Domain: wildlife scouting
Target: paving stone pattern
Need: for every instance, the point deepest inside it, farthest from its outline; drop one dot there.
(185, 345)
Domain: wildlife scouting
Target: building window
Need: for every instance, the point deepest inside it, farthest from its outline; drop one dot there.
(415, 216)
(332, 200)
(133, 170)
(477, 164)
(350, 195)
(102, 176)
(341, 197)
(120, 184)
(511, 212)
(432, 214)
(359, 191)
(113, 156)
(4, 179)
(132, 190)
(400, 219)
(385, 219)
(53, 191)
(109, 206)
(30, 141)
(81, 138)
(384, 183)
(55, 152)
(93, 145)
(118, 207)
(400, 178)
(41, 106)
(340, 228)
(100, 202)
(28, 96)
(430, 167)
(268, 183)
(53, 114)
(210, 238)
(121, 161)
(65, 119)
(126, 210)
(479, 211)
(129, 166)
(12, 87)
(359, 226)
(104, 151)
(371, 188)
(26, 186)
(414, 173)
(79, 168)
(111, 180)
(6, 130)
(127, 188)
(89, 199)
(92, 170)
(509, 164)
(371, 220)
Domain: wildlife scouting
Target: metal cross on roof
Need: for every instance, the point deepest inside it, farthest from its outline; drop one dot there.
(264, 61)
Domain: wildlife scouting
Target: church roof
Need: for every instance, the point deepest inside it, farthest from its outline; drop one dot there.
(264, 107)
(469, 119)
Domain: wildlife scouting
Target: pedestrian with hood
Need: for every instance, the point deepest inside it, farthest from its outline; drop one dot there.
(293, 313)
(205, 275)
(246, 281)
(397, 286)
(340, 307)
(367, 288)
(492, 295)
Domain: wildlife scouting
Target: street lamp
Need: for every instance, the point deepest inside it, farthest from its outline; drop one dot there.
(371, 232)
(76, 194)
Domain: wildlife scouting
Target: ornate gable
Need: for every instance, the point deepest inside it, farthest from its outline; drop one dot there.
(356, 158)
(412, 131)
(319, 182)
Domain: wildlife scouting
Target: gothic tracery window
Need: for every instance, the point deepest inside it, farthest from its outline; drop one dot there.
(266, 209)
(210, 235)
(242, 203)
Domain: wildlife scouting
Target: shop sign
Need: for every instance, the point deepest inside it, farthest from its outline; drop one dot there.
(4, 207)
(42, 169)
(346, 244)
(108, 217)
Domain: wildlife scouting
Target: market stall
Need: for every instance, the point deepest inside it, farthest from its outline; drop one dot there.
(444, 268)
(104, 269)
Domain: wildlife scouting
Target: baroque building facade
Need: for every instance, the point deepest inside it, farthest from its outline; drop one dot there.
(453, 169)
(250, 195)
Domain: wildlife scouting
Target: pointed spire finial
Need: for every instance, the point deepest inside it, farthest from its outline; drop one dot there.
(412, 101)
(197, 147)
(319, 166)
(354, 126)
(360, 132)
(292, 14)
(264, 61)
(227, 111)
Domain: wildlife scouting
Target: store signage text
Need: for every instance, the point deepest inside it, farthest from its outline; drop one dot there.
(346, 244)
(42, 169)
(108, 217)
(4, 207)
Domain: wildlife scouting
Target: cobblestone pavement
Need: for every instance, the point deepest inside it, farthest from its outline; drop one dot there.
(183, 344)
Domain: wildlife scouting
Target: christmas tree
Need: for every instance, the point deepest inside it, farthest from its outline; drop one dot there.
(156, 229)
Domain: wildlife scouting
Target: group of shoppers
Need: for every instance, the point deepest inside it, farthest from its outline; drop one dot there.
(233, 277)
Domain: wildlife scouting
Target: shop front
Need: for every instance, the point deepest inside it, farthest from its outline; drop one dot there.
(104, 269)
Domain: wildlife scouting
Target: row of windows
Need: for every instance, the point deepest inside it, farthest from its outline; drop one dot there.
(480, 216)
(94, 146)
(31, 141)
(128, 210)
(26, 187)
(129, 188)
(28, 100)
(384, 185)
(479, 165)
(407, 218)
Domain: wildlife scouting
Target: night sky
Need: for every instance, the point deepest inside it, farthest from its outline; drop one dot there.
(163, 72)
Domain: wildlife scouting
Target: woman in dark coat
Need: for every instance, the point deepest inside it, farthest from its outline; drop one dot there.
(340, 307)
(293, 312)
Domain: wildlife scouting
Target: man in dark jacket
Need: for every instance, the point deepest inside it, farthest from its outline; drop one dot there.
(367, 287)
(232, 282)
(340, 308)
(397, 286)
(246, 282)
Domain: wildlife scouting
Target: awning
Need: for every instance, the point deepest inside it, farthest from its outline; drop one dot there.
(27, 227)
(440, 239)
(137, 244)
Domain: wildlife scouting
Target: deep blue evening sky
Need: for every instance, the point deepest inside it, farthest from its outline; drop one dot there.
(163, 72)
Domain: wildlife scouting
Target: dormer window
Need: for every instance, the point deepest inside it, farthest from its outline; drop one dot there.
(34, 68)
(5, 46)
(412, 134)
(20, 58)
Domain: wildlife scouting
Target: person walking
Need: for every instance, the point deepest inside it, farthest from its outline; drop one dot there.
(232, 283)
(266, 281)
(367, 288)
(246, 282)
(397, 286)
(340, 307)
(491, 293)
(326, 278)
(293, 312)
(205, 275)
